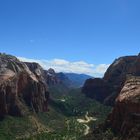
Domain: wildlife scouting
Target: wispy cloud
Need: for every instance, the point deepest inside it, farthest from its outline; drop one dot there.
(61, 65)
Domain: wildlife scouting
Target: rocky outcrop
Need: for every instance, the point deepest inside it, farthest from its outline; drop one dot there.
(115, 77)
(122, 83)
(125, 117)
(38, 71)
(97, 89)
(51, 77)
(65, 80)
(117, 73)
(22, 88)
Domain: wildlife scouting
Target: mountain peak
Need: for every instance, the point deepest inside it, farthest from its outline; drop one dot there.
(51, 71)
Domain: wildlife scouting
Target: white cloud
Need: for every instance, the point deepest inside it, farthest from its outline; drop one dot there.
(101, 68)
(61, 65)
(60, 62)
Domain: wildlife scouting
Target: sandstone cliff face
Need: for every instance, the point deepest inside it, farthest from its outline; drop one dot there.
(117, 73)
(47, 76)
(121, 88)
(115, 77)
(21, 90)
(96, 88)
(38, 71)
(125, 117)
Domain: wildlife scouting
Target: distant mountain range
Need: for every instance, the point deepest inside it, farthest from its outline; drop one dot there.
(61, 83)
(78, 79)
(73, 80)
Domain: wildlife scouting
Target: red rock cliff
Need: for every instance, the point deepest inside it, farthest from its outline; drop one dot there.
(21, 90)
(113, 80)
(125, 117)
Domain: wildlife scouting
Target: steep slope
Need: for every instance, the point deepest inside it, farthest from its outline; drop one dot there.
(98, 86)
(123, 84)
(114, 78)
(21, 90)
(64, 80)
(125, 117)
(117, 73)
(51, 77)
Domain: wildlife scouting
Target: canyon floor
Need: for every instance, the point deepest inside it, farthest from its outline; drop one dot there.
(68, 118)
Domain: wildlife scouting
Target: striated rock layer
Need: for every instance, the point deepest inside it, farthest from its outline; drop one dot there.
(125, 117)
(21, 89)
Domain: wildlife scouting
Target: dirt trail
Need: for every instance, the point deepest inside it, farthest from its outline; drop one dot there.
(85, 121)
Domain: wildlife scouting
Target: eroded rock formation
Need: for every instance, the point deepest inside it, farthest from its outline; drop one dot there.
(114, 78)
(125, 117)
(120, 87)
(96, 88)
(21, 89)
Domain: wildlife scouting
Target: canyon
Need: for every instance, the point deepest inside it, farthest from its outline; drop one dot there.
(29, 91)
(119, 88)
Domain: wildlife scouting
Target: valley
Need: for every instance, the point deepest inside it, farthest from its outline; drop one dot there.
(63, 117)
(38, 104)
(69, 70)
(64, 120)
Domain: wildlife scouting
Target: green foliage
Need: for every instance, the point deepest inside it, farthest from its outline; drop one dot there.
(60, 121)
(108, 135)
(101, 135)
(76, 104)
(58, 90)
(12, 127)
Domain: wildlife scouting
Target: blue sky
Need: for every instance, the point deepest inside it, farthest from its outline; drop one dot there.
(91, 31)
